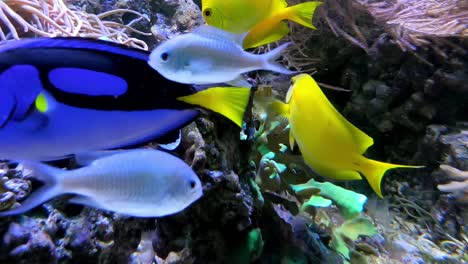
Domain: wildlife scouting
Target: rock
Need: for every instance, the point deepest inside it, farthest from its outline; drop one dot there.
(7, 200)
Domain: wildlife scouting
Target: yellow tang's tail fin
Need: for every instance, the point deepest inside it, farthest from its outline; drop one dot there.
(303, 13)
(228, 101)
(374, 171)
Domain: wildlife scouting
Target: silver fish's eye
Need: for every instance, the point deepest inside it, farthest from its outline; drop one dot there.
(193, 184)
(164, 56)
(207, 12)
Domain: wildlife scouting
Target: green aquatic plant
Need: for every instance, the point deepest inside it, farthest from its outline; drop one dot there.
(350, 203)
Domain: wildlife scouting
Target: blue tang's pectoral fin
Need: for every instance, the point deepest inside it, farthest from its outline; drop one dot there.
(24, 84)
(7, 105)
(37, 117)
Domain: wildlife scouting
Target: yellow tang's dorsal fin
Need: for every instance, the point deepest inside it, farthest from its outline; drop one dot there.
(362, 140)
(278, 4)
(230, 102)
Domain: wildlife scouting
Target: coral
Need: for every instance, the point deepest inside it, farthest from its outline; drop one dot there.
(268, 173)
(293, 238)
(176, 17)
(248, 249)
(49, 18)
(351, 230)
(408, 249)
(341, 16)
(459, 184)
(195, 145)
(7, 200)
(413, 23)
(12, 189)
(351, 203)
(144, 252)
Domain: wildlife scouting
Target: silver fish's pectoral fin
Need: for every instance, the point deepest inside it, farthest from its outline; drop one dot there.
(240, 81)
(86, 201)
(202, 64)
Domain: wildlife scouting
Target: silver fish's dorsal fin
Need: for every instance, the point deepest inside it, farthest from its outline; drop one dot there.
(87, 158)
(218, 34)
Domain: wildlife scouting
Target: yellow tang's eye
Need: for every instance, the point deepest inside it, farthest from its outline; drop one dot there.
(207, 12)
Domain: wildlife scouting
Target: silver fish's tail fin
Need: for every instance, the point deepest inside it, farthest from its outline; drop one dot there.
(50, 176)
(270, 63)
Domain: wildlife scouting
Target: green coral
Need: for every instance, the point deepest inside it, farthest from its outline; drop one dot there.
(316, 201)
(351, 230)
(269, 171)
(250, 248)
(350, 203)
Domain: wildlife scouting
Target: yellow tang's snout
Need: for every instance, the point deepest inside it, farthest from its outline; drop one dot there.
(295, 82)
(213, 16)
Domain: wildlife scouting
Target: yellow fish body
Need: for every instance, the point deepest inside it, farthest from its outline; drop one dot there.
(329, 143)
(263, 19)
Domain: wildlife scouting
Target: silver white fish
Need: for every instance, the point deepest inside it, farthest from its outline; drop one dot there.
(141, 183)
(210, 55)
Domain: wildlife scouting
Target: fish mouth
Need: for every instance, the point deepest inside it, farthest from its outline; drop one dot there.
(290, 91)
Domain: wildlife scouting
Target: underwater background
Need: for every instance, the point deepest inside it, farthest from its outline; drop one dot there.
(396, 69)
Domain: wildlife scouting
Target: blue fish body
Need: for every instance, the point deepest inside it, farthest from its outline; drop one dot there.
(98, 95)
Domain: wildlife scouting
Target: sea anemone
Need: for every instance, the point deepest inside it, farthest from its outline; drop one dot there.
(51, 18)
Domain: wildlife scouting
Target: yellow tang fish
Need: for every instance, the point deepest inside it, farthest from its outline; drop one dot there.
(329, 143)
(263, 19)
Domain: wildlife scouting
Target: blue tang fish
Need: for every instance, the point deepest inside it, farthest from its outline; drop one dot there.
(61, 96)
(140, 182)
